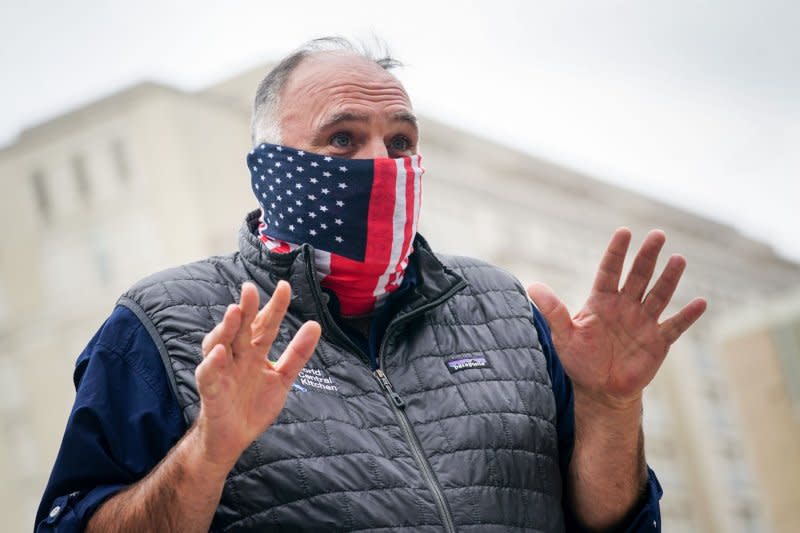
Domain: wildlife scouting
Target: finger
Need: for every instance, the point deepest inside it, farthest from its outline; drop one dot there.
(299, 351)
(267, 323)
(660, 295)
(643, 265)
(210, 371)
(610, 269)
(553, 309)
(674, 327)
(248, 303)
(224, 332)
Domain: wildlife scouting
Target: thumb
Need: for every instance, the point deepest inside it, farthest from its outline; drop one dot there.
(209, 373)
(299, 351)
(553, 309)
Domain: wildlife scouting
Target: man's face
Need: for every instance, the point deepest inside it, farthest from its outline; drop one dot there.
(343, 105)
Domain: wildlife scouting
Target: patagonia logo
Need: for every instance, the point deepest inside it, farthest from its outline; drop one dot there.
(314, 379)
(465, 363)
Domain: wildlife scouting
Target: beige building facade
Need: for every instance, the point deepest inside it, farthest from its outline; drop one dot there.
(762, 364)
(153, 177)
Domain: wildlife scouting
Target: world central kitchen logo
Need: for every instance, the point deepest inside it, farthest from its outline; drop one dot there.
(314, 379)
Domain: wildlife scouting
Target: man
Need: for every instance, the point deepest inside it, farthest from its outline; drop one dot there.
(381, 387)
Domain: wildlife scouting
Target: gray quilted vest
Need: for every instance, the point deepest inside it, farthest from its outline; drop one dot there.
(455, 432)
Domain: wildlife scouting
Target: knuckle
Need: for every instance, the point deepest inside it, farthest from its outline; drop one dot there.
(263, 339)
(655, 300)
(207, 343)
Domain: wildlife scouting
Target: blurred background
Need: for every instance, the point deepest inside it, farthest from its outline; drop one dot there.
(124, 128)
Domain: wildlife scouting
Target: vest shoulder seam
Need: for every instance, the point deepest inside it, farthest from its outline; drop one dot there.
(180, 272)
(140, 313)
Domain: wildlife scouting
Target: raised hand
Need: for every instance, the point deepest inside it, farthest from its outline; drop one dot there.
(613, 347)
(241, 392)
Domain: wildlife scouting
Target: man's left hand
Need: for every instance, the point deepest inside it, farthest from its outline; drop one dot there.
(613, 347)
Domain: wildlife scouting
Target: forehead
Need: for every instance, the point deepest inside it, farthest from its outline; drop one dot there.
(329, 81)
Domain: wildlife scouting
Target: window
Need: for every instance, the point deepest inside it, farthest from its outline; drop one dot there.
(81, 177)
(120, 160)
(786, 337)
(730, 449)
(12, 395)
(712, 392)
(746, 516)
(5, 312)
(40, 192)
(101, 258)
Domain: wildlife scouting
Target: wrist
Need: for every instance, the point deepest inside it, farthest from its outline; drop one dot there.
(613, 418)
(607, 472)
(202, 458)
(605, 403)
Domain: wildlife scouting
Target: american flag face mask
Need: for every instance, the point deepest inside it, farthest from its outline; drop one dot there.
(359, 215)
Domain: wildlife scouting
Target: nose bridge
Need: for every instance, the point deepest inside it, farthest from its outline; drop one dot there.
(374, 148)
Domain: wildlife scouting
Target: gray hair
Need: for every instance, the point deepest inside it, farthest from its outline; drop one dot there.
(264, 126)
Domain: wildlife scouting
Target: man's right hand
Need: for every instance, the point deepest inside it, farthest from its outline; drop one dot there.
(241, 392)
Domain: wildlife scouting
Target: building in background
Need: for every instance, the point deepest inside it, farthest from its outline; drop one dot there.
(152, 177)
(761, 361)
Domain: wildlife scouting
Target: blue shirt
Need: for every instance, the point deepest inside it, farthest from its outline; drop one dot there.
(125, 419)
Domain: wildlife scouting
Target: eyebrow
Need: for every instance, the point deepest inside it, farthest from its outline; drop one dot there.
(406, 116)
(350, 116)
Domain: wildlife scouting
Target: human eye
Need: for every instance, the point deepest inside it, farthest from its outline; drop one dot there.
(400, 143)
(341, 140)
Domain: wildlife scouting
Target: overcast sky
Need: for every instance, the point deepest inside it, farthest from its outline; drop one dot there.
(695, 103)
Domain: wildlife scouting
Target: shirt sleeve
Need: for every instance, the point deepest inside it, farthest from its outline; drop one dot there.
(124, 421)
(646, 514)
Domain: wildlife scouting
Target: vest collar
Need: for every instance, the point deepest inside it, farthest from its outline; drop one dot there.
(309, 301)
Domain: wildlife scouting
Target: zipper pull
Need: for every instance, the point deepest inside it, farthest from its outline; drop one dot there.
(386, 385)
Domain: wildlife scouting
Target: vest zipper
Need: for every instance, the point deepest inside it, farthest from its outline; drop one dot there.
(396, 401)
(398, 406)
